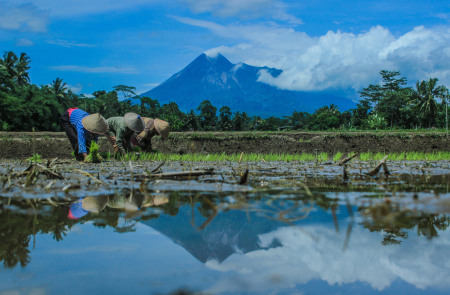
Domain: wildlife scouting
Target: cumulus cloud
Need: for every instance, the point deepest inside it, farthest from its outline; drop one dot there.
(23, 17)
(336, 59)
(318, 255)
(95, 70)
(245, 9)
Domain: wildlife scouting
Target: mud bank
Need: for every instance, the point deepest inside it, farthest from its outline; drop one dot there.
(18, 145)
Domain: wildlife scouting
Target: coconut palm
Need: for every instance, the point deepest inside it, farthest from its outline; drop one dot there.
(424, 97)
(22, 67)
(17, 67)
(59, 87)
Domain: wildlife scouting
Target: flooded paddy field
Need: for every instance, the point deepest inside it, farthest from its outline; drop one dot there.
(181, 227)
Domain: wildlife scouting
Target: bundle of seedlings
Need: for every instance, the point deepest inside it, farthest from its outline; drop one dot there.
(94, 155)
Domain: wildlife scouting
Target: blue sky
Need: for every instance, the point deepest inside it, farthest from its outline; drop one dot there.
(319, 44)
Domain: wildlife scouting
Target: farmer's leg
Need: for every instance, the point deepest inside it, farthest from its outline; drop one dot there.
(71, 133)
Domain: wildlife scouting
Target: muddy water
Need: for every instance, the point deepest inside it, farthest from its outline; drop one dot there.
(213, 228)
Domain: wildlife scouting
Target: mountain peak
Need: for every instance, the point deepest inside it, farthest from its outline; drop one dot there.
(215, 78)
(206, 62)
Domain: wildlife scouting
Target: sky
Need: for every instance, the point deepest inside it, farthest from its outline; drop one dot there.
(319, 44)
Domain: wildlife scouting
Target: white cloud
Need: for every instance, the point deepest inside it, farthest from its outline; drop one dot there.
(151, 84)
(247, 9)
(23, 42)
(77, 88)
(318, 255)
(336, 59)
(68, 44)
(23, 17)
(96, 70)
(75, 8)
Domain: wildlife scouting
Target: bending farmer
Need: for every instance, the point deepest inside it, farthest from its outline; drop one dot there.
(122, 129)
(152, 127)
(81, 128)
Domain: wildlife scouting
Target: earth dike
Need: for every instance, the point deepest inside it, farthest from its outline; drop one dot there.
(20, 145)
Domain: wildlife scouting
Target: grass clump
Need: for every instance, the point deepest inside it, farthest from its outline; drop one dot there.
(94, 155)
(35, 158)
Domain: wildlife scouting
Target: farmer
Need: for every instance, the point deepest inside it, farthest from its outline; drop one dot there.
(130, 203)
(122, 129)
(152, 127)
(81, 128)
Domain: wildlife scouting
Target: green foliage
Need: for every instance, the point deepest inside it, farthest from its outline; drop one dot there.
(325, 118)
(375, 121)
(35, 158)
(208, 118)
(225, 123)
(172, 114)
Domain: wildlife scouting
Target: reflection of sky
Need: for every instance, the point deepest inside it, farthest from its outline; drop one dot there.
(99, 261)
(302, 259)
(308, 259)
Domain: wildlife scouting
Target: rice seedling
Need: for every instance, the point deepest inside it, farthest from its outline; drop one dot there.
(280, 157)
(35, 158)
(337, 156)
(94, 155)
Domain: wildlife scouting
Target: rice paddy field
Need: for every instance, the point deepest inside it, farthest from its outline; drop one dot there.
(215, 223)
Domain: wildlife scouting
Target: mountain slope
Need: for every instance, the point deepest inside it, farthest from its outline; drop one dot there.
(235, 85)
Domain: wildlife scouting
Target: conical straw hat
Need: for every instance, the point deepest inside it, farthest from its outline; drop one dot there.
(148, 122)
(95, 123)
(134, 122)
(95, 203)
(162, 128)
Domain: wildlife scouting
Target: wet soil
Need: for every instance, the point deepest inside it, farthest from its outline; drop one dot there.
(69, 179)
(20, 145)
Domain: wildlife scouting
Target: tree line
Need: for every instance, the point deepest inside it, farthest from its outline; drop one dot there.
(390, 104)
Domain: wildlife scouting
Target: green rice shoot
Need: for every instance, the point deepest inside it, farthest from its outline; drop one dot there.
(94, 155)
(281, 157)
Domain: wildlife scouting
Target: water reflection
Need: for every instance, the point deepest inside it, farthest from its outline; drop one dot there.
(284, 241)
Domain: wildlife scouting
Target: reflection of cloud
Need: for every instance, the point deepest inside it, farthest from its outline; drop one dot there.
(72, 68)
(101, 249)
(302, 258)
(336, 59)
(24, 17)
(26, 290)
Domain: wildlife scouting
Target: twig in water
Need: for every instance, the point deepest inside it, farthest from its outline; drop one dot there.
(244, 178)
(159, 166)
(181, 174)
(343, 161)
(88, 175)
(345, 176)
(377, 169)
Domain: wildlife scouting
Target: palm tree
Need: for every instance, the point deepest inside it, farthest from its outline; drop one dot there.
(17, 67)
(22, 67)
(9, 61)
(425, 96)
(59, 87)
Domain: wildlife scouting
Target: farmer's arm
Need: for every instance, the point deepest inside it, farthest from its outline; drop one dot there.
(120, 138)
